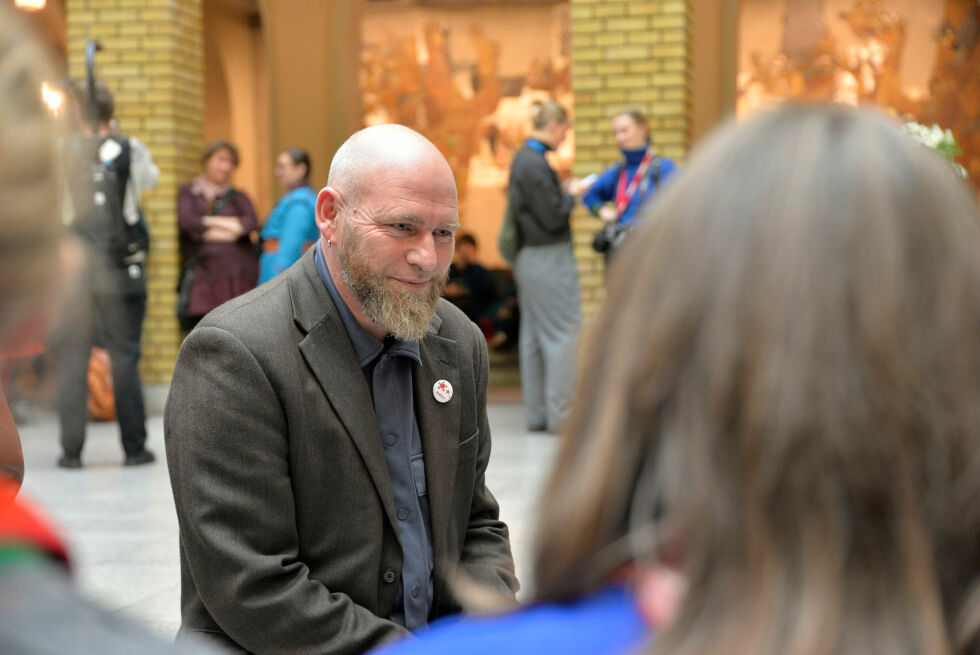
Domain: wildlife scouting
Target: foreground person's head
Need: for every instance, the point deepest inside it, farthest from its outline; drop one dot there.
(29, 225)
(781, 398)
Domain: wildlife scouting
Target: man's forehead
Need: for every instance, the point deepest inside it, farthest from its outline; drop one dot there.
(421, 166)
(410, 183)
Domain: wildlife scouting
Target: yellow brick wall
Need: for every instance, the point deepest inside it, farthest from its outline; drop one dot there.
(152, 60)
(626, 54)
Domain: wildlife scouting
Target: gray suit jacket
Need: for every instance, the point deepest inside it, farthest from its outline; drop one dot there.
(288, 537)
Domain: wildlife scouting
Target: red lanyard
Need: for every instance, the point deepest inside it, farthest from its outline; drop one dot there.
(625, 193)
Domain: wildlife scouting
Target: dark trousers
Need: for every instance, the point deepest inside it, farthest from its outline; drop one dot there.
(113, 321)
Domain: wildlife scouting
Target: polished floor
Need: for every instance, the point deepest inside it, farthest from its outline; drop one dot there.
(121, 528)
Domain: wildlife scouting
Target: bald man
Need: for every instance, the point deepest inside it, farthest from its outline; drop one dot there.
(327, 433)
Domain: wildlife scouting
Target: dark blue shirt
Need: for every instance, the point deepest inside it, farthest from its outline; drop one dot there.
(387, 366)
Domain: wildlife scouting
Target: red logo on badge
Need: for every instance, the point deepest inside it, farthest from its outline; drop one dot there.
(442, 391)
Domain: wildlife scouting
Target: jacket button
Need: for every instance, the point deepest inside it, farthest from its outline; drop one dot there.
(388, 576)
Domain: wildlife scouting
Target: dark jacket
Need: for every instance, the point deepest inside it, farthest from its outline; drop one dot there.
(541, 209)
(223, 270)
(288, 533)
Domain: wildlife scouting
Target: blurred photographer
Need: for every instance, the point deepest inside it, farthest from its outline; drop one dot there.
(104, 173)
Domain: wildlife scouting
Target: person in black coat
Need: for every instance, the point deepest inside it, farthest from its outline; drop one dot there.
(545, 271)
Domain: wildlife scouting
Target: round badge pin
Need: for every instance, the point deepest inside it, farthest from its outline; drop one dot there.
(442, 391)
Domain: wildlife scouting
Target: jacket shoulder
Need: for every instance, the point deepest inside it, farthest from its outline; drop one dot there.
(455, 324)
(264, 309)
(185, 189)
(527, 157)
(529, 167)
(241, 196)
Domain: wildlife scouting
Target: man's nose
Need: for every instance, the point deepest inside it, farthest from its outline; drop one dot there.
(423, 253)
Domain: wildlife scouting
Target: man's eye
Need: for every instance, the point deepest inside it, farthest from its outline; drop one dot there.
(400, 226)
(443, 234)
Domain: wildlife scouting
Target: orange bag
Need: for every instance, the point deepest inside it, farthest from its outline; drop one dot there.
(101, 403)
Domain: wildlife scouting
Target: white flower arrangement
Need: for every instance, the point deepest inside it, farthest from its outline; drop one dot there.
(938, 139)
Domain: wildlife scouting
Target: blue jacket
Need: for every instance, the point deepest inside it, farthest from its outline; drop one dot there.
(603, 190)
(292, 222)
(605, 623)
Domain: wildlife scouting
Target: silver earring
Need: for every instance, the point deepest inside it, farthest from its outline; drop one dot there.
(329, 243)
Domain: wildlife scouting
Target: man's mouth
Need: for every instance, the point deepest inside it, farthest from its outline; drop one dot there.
(414, 285)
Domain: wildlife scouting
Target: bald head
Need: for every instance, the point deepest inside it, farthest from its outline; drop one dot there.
(387, 147)
(387, 219)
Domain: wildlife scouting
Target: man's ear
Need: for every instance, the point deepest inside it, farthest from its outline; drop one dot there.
(328, 204)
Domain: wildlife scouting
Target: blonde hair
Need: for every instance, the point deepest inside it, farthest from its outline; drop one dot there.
(29, 190)
(783, 397)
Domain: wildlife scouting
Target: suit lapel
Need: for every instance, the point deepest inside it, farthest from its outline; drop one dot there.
(439, 429)
(329, 354)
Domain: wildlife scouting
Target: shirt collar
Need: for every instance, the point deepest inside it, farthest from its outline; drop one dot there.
(366, 347)
(540, 146)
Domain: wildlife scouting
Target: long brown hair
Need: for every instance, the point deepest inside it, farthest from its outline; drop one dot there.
(783, 387)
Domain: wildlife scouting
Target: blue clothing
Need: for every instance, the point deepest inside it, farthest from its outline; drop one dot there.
(603, 190)
(388, 369)
(540, 146)
(292, 223)
(606, 622)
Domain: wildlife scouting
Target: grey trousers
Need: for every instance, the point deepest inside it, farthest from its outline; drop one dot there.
(550, 300)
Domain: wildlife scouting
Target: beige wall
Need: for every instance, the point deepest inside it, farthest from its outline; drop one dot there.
(313, 54)
(713, 46)
(237, 96)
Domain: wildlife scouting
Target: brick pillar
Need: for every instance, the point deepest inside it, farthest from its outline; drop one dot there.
(626, 54)
(152, 60)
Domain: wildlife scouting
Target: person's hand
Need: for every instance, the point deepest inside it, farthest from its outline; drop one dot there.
(227, 223)
(219, 235)
(608, 214)
(572, 186)
(222, 229)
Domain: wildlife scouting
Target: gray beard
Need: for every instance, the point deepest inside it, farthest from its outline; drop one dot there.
(405, 314)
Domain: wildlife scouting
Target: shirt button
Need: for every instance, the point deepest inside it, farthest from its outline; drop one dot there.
(388, 576)
(415, 591)
(402, 514)
(391, 439)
